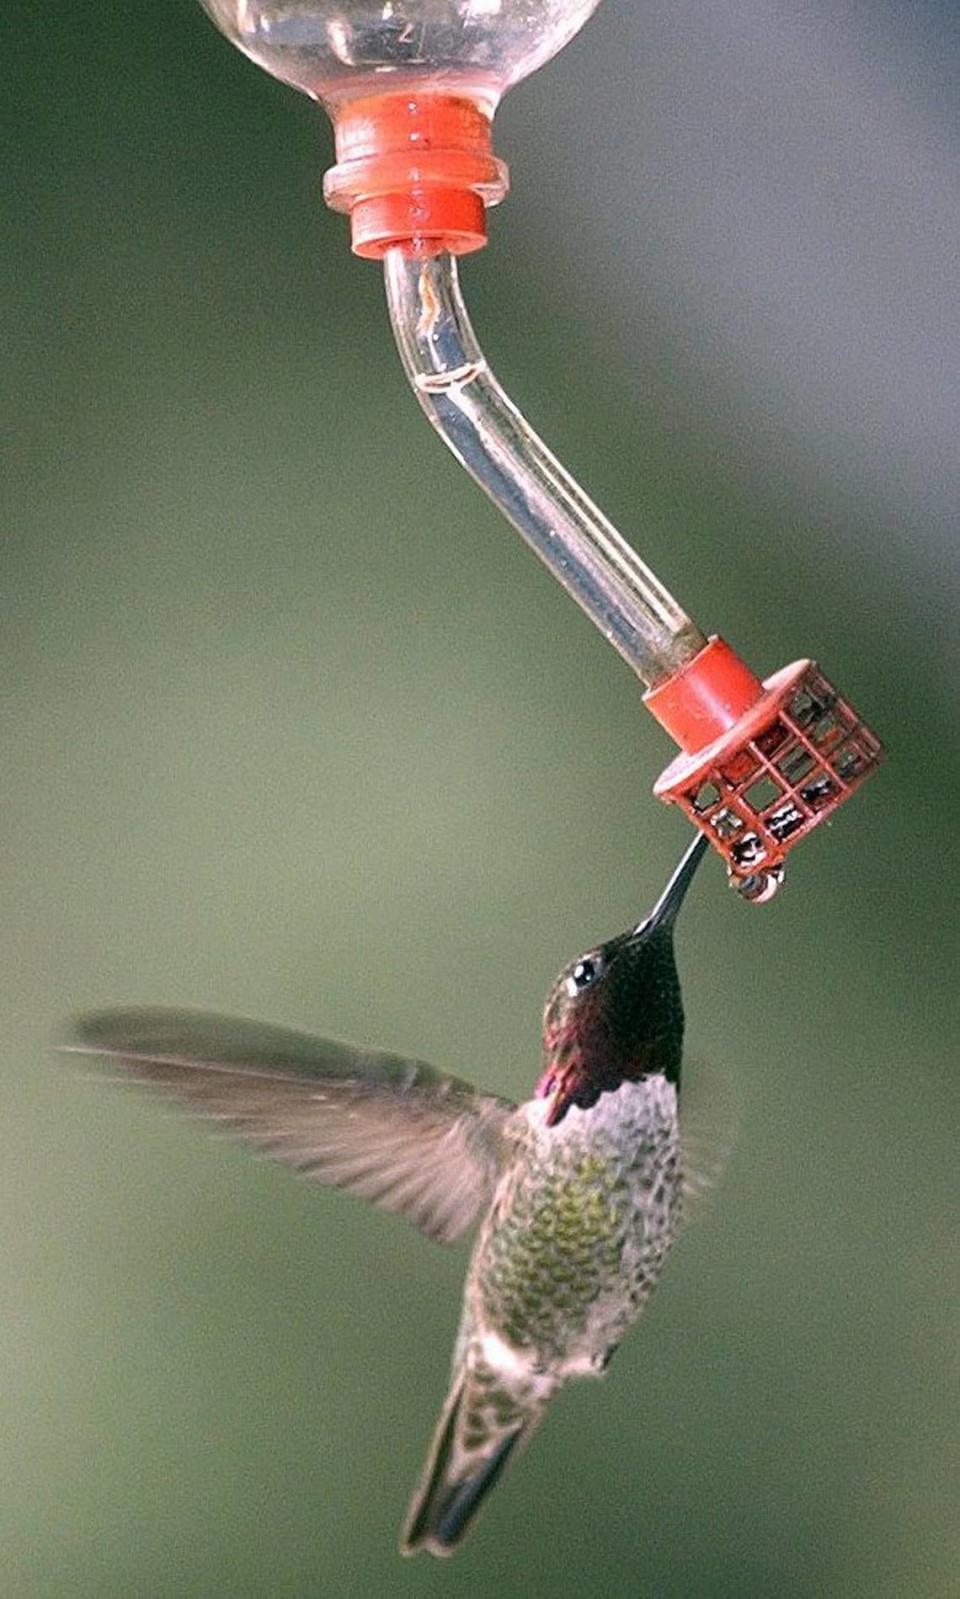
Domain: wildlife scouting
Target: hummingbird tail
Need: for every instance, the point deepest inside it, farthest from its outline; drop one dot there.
(479, 1429)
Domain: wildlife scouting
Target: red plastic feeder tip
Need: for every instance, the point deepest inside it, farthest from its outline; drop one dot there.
(763, 764)
(415, 171)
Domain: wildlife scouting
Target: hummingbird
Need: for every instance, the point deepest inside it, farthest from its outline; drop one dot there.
(578, 1192)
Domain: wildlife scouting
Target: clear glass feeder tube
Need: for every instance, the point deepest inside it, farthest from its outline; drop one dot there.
(487, 433)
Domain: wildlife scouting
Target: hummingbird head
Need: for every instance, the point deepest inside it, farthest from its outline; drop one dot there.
(615, 1014)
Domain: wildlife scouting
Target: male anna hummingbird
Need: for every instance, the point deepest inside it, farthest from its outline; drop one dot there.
(578, 1191)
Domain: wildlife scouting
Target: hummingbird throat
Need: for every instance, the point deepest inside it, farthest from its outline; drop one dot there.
(638, 1035)
(565, 1082)
(568, 1080)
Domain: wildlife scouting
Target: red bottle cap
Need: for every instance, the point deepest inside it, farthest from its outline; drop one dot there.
(415, 171)
(704, 698)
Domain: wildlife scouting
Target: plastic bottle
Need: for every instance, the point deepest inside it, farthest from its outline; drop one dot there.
(411, 87)
(341, 50)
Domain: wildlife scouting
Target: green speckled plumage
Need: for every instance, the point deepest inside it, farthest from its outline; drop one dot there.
(573, 1244)
(584, 1212)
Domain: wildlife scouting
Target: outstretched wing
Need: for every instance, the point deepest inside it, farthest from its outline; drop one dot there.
(394, 1131)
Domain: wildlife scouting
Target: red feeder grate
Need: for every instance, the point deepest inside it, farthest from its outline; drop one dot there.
(781, 756)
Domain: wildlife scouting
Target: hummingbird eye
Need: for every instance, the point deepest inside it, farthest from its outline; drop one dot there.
(584, 973)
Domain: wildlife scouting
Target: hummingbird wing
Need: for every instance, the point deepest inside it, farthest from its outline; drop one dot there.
(394, 1131)
(710, 1112)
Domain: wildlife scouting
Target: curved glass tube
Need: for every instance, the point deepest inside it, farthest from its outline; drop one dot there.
(489, 436)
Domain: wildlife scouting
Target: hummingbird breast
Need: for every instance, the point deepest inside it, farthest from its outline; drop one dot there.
(579, 1227)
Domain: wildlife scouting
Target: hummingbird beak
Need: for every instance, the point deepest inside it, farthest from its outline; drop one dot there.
(664, 912)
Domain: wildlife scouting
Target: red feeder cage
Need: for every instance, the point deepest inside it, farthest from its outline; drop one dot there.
(762, 764)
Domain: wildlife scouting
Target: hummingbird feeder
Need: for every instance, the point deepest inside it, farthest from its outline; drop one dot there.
(411, 87)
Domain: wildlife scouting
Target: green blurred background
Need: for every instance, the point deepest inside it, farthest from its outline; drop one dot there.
(296, 727)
